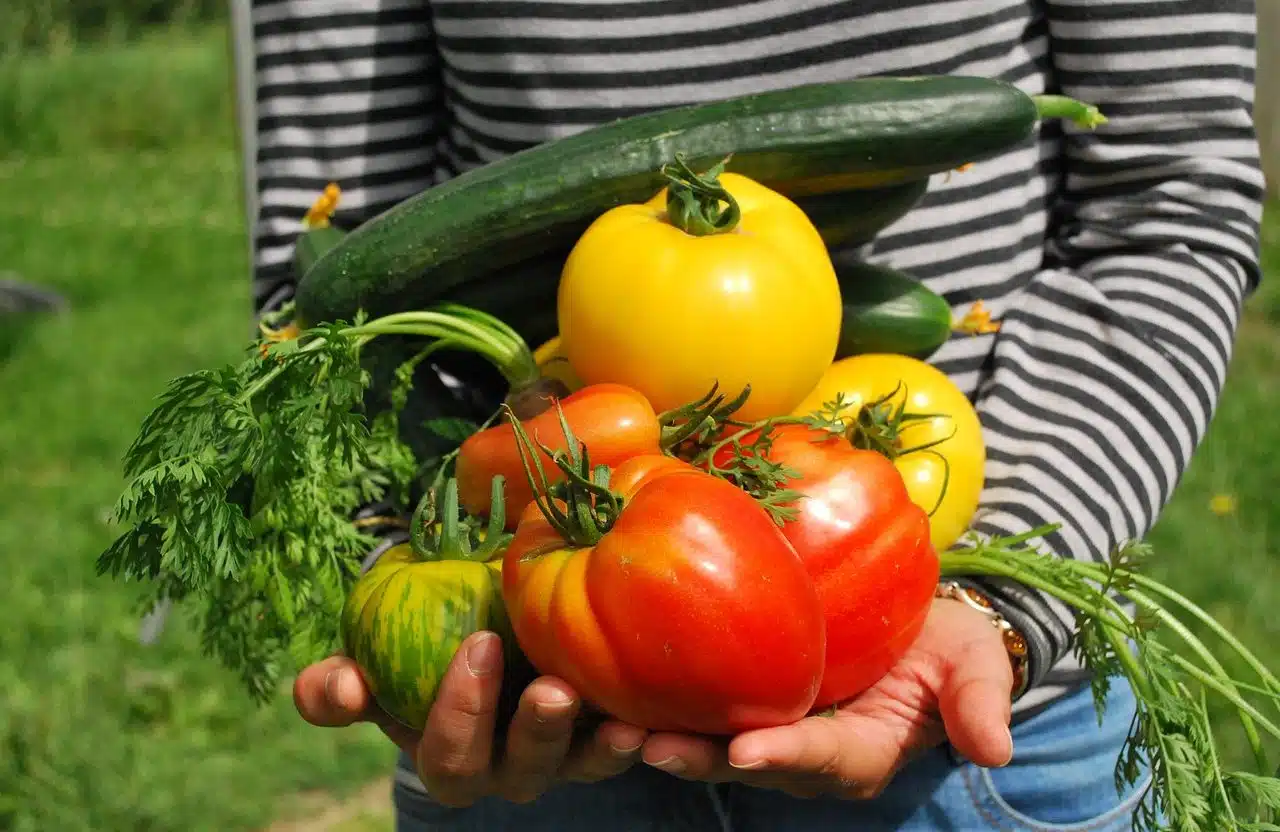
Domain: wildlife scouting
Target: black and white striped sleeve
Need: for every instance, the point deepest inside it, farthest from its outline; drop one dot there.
(345, 93)
(1108, 366)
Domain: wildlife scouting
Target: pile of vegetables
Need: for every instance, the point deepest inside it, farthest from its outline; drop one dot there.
(723, 438)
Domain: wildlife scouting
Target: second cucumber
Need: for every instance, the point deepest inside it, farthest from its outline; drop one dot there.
(887, 311)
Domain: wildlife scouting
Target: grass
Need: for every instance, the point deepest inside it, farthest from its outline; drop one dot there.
(136, 217)
(96, 731)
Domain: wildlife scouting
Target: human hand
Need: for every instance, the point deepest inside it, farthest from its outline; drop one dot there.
(953, 684)
(455, 753)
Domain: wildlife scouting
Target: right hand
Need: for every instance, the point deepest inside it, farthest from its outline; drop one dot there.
(455, 751)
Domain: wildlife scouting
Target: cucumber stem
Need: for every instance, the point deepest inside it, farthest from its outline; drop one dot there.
(693, 201)
(1061, 106)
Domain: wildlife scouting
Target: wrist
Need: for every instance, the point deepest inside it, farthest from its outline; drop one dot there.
(390, 540)
(380, 521)
(1015, 643)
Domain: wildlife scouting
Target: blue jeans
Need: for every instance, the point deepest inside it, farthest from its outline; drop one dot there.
(1060, 780)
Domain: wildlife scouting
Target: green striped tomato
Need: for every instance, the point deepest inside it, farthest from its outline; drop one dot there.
(405, 618)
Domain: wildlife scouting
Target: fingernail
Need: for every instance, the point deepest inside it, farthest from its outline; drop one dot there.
(333, 685)
(671, 765)
(623, 753)
(1010, 760)
(748, 766)
(483, 656)
(555, 705)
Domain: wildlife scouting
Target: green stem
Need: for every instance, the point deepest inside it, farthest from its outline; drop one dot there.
(1198, 647)
(1224, 690)
(497, 343)
(1159, 589)
(454, 326)
(698, 417)
(693, 201)
(1216, 677)
(957, 563)
(259, 385)
(590, 507)
(1133, 671)
(1060, 106)
(437, 533)
(1214, 763)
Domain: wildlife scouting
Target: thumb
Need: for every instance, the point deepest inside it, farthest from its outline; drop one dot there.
(975, 704)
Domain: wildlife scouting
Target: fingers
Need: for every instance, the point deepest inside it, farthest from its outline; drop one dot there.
(708, 759)
(331, 693)
(844, 756)
(610, 750)
(975, 704)
(689, 756)
(538, 739)
(454, 752)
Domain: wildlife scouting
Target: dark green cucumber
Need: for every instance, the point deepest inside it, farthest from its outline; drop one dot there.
(816, 139)
(311, 244)
(854, 218)
(526, 292)
(886, 310)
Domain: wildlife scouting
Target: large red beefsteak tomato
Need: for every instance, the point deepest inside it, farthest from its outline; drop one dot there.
(866, 546)
(674, 602)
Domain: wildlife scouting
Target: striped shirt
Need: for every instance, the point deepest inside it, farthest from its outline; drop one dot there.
(1117, 260)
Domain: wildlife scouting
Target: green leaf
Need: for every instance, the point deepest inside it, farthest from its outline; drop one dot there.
(454, 430)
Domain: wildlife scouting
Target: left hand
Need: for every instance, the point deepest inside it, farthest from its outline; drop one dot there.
(953, 684)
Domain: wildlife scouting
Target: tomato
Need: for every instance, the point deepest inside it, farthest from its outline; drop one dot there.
(614, 421)
(867, 549)
(670, 312)
(553, 364)
(689, 611)
(959, 458)
(404, 618)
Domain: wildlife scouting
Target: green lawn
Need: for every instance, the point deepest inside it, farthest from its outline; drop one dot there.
(97, 732)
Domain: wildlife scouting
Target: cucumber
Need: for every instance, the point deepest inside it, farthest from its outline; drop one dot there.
(806, 141)
(524, 295)
(312, 244)
(888, 311)
(854, 218)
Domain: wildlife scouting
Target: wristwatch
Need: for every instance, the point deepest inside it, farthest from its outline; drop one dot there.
(1014, 643)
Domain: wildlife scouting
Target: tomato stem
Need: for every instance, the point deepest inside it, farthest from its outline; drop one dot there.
(879, 426)
(441, 535)
(699, 419)
(693, 201)
(590, 508)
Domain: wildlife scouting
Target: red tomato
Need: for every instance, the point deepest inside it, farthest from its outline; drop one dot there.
(866, 546)
(615, 423)
(690, 612)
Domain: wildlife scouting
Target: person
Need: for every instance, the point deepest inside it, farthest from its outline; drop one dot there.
(1115, 260)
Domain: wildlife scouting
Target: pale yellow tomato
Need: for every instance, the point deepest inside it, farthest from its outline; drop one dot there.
(959, 458)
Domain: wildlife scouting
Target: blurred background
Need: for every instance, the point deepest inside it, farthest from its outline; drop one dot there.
(121, 196)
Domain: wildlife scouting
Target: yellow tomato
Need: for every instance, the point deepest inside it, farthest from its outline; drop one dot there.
(867, 378)
(644, 303)
(553, 364)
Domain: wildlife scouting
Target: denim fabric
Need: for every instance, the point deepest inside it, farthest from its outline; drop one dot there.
(1060, 780)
